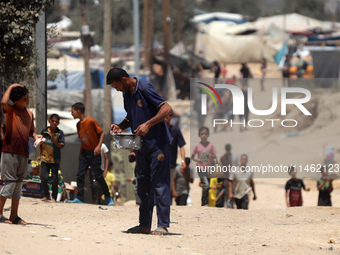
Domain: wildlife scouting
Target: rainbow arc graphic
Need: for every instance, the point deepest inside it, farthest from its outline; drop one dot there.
(209, 93)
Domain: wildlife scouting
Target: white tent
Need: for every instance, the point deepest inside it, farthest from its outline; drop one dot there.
(233, 44)
(63, 24)
(66, 45)
(75, 45)
(291, 22)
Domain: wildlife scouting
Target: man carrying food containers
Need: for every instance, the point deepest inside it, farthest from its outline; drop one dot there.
(146, 111)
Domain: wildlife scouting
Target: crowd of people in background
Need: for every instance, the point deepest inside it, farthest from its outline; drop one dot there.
(233, 189)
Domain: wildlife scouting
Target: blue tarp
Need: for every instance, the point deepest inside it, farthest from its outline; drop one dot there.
(75, 80)
(279, 56)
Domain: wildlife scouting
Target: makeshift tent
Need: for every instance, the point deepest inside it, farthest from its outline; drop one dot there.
(75, 80)
(234, 44)
(291, 22)
(63, 24)
(75, 45)
(66, 45)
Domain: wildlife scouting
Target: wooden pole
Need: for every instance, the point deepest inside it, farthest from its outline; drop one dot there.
(85, 33)
(151, 26)
(107, 65)
(136, 35)
(146, 34)
(179, 21)
(166, 27)
(41, 88)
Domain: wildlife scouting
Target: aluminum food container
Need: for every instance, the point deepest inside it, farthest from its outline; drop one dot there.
(127, 141)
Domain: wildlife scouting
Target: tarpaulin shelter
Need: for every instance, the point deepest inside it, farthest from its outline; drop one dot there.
(251, 42)
(63, 24)
(238, 43)
(292, 22)
(75, 80)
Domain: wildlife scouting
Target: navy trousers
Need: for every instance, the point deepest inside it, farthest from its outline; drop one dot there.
(153, 179)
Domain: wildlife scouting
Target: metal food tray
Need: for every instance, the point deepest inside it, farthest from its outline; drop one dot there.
(127, 141)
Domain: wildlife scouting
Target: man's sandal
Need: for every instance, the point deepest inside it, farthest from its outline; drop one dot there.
(139, 230)
(160, 231)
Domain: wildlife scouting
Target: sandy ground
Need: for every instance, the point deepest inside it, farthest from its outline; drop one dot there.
(268, 227)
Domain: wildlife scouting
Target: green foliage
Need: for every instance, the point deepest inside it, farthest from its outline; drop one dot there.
(54, 14)
(244, 7)
(54, 73)
(17, 51)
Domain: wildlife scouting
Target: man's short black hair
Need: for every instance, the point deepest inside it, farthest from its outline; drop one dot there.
(228, 147)
(115, 74)
(79, 107)
(17, 93)
(187, 161)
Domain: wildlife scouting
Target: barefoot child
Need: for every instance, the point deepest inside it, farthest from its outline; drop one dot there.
(206, 153)
(49, 154)
(19, 127)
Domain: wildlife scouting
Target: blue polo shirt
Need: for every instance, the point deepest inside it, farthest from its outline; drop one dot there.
(141, 106)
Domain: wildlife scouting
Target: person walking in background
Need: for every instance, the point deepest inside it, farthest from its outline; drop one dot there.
(91, 136)
(216, 192)
(263, 71)
(228, 160)
(224, 72)
(177, 142)
(50, 155)
(293, 189)
(216, 68)
(241, 183)
(245, 74)
(180, 185)
(285, 72)
(19, 127)
(206, 154)
(146, 111)
(325, 188)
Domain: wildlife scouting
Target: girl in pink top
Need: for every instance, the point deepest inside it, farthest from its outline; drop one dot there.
(206, 153)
